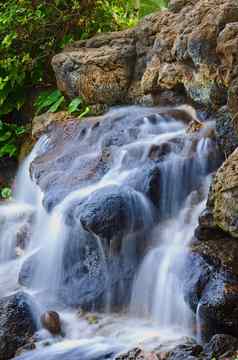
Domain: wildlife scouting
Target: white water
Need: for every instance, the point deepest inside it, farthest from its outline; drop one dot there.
(157, 292)
(158, 312)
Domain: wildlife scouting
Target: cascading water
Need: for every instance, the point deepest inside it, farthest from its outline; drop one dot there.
(16, 216)
(61, 246)
(157, 292)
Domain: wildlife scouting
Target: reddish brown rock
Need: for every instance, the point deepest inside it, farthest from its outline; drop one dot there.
(51, 321)
(189, 48)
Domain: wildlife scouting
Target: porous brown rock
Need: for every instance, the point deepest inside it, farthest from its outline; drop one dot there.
(224, 195)
(189, 48)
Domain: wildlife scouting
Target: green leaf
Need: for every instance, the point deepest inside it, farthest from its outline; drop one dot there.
(47, 99)
(85, 112)
(74, 105)
(6, 193)
(8, 150)
(5, 136)
(20, 130)
(56, 105)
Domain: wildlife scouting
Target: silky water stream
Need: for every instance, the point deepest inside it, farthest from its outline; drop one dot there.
(156, 312)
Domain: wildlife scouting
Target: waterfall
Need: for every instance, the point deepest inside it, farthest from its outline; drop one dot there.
(157, 291)
(18, 214)
(139, 263)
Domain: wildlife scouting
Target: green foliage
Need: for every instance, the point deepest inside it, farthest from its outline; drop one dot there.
(32, 31)
(9, 134)
(53, 101)
(46, 100)
(141, 8)
(6, 193)
(74, 105)
(149, 6)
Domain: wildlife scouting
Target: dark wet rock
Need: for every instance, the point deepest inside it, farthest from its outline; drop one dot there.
(80, 153)
(188, 351)
(195, 281)
(113, 211)
(17, 323)
(222, 252)
(221, 346)
(8, 166)
(89, 282)
(211, 289)
(146, 180)
(87, 277)
(217, 309)
(50, 320)
(24, 349)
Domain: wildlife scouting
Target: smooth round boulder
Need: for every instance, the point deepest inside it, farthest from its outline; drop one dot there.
(50, 320)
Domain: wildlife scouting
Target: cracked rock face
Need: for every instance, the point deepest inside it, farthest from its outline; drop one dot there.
(224, 194)
(189, 48)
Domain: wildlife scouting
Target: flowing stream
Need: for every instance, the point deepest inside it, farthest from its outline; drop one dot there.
(157, 313)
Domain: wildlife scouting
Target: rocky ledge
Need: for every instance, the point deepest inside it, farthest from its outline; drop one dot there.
(189, 49)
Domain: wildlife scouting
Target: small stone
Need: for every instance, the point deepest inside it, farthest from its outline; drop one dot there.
(51, 321)
(194, 126)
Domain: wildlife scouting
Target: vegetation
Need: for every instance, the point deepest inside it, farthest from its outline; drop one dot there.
(9, 134)
(53, 101)
(6, 193)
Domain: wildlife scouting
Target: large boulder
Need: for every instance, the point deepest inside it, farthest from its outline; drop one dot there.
(17, 323)
(80, 153)
(189, 48)
(114, 211)
(106, 65)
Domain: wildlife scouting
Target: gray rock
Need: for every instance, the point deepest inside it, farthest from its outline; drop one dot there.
(17, 323)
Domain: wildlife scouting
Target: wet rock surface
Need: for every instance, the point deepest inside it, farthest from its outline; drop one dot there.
(108, 213)
(211, 291)
(16, 322)
(221, 347)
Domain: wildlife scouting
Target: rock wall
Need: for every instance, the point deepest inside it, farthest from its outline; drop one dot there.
(189, 50)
